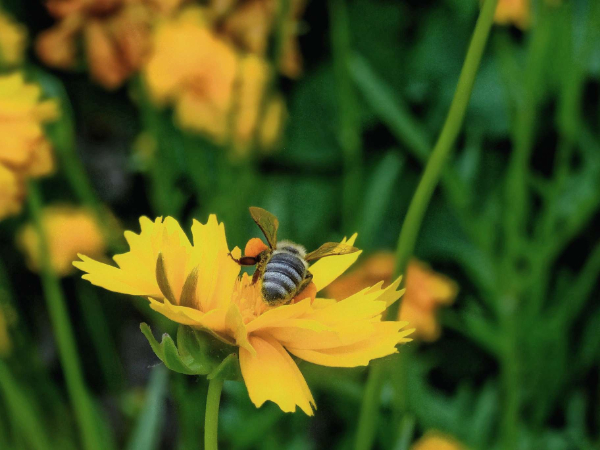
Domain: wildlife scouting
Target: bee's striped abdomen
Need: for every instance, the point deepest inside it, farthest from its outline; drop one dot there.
(282, 277)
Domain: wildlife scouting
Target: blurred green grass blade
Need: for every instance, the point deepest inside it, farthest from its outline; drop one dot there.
(349, 123)
(378, 195)
(146, 435)
(389, 108)
(22, 411)
(97, 325)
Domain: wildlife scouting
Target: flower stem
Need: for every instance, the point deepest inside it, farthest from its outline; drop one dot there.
(65, 340)
(211, 418)
(418, 206)
(446, 140)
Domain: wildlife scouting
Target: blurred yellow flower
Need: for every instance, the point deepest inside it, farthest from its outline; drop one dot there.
(426, 290)
(434, 440)
(116, 35)
(513, 12)
(214, 89)
(13, 40)
(24, 150)
(347, 333)
(250, 24)
(11, 192)
(69, 230)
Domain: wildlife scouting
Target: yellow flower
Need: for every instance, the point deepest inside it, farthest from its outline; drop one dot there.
(24, 150)
(434, 440)
(214, 89)
(251, 24)
(69, 231)
(426, 290)
(13, 39)
(513, 12)
(116, 35)
(347, 333)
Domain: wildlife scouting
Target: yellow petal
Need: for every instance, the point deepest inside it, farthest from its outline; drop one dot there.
(275, 315)
(328, 269)
(273, 375)
(217, 271)
(136, 274)
(379, 344)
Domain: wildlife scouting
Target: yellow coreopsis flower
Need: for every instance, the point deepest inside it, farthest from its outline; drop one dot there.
(24, 150)
(116, 35)
(434, 440)
(323, 331)
(13, 40)
(69, 231)
(214, 89)
(426, 290)
(513, 12)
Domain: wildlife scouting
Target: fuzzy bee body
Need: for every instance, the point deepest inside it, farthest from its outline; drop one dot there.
(284, 274)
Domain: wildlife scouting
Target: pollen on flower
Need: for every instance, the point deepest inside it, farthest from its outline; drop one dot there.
(254, 247)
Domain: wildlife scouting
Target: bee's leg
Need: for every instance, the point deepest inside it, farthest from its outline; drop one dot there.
(244, 260)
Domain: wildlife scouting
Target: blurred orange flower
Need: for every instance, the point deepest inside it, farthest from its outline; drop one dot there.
(435, 440)
(214, 89)
(116, 35)
(69, 230)
(250, 24)
(513, 12)
(426, 290)
(24, 150)
(13, 40)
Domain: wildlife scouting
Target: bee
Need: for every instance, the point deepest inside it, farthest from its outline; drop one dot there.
(282, 267)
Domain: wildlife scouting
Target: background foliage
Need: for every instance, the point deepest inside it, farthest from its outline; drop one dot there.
(514, 222)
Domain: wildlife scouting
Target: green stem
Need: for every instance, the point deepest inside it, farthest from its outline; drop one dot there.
(211, 418)
(349, 134)
(367, 424)
(446, 140)
(418, 206)
(65, 339)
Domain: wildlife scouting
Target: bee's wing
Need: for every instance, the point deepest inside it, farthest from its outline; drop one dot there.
(330, 249)
(268, 224)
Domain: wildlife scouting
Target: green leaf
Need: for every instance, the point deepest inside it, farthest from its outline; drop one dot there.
(378, 196)
(150, 422)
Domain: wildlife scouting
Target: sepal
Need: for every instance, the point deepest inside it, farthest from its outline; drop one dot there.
(196, 353)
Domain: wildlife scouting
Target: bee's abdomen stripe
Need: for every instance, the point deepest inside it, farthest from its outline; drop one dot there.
(289, 260)
(285, 269)
(273, 290)
(280, 279)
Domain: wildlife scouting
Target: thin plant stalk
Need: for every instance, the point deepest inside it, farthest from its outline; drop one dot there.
(211, 418)
(83, 406)
(420, 202)
(349, 134)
